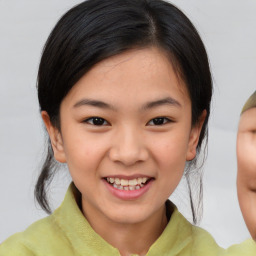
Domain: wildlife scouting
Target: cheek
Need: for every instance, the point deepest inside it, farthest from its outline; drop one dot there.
(170, 154)
(171, 149)
(83, 153)
(246, 157)
(247, 201)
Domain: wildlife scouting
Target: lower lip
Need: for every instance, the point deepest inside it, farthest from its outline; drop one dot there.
(128, 194)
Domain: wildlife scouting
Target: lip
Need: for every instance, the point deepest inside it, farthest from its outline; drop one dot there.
(128, 194)
(130, 177)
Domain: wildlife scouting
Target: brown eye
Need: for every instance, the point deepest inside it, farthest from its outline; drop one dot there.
(98, 121)
(159, 121)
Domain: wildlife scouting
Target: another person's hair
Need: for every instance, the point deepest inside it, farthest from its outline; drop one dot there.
(250, 103)
(97, 29)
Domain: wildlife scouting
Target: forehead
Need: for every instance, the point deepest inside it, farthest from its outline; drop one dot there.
(250, 103)
(248, 120)
(132, 76)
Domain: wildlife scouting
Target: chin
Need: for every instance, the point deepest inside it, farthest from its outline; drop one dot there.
(129, 216)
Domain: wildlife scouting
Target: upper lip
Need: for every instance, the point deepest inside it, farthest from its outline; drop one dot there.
(130, 177)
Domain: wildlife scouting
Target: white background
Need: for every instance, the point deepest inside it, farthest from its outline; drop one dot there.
(228, 28)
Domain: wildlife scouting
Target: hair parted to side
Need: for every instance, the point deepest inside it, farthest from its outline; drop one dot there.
(97, 29)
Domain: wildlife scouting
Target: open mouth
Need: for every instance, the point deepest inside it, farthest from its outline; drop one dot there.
(124, 184)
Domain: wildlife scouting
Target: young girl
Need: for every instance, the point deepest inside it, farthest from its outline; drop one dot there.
(124, 89)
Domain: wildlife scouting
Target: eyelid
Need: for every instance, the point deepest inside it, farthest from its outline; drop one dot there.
(90, 121)
(167, 120)
(94, 117)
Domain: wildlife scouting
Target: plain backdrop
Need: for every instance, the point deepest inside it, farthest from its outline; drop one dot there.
(228, 29)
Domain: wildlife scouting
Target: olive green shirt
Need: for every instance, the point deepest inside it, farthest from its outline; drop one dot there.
(66, 232)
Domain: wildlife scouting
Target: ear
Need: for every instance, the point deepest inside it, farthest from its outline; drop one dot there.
(55, 137)
(194, 137)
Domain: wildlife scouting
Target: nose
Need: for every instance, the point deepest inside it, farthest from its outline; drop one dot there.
(128, 147)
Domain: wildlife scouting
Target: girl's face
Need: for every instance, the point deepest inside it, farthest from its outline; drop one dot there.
(126, 135)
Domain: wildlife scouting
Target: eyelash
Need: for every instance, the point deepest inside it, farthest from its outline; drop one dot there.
(95, 118)
(164, 119)
(102, 121)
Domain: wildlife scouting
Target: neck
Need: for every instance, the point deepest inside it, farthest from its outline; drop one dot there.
(129, 238)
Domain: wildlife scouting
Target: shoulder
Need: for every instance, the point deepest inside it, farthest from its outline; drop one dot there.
(53, 235)
(205, 244)
(247, 248)
(195, 240)
(201, 243)
(41, 238)
(14, 246)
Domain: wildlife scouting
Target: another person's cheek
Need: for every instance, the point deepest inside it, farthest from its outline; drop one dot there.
(247, 159)
(246, 176)
(247, 200)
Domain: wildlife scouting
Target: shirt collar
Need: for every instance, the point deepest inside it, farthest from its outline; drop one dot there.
(84, 240)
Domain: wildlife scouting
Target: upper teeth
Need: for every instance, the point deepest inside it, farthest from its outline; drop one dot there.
(124, 182)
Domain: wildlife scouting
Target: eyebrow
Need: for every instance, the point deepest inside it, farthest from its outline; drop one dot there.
(165, 101)
(94, 103)
(149, 105)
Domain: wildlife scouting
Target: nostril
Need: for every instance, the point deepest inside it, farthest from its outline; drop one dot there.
(127, 155)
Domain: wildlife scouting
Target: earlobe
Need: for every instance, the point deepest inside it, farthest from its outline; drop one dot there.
(194, 137)
(55, 137)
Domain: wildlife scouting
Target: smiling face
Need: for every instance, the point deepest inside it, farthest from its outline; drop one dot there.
(126, 135)
(246, 163)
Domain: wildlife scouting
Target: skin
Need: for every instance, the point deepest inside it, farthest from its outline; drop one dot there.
(128, 143)
(246, 162)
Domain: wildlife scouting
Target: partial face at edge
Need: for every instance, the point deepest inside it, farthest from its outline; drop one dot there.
(246, 162)
(128, 117)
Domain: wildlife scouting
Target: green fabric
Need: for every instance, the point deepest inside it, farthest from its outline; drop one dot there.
(66, 232)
